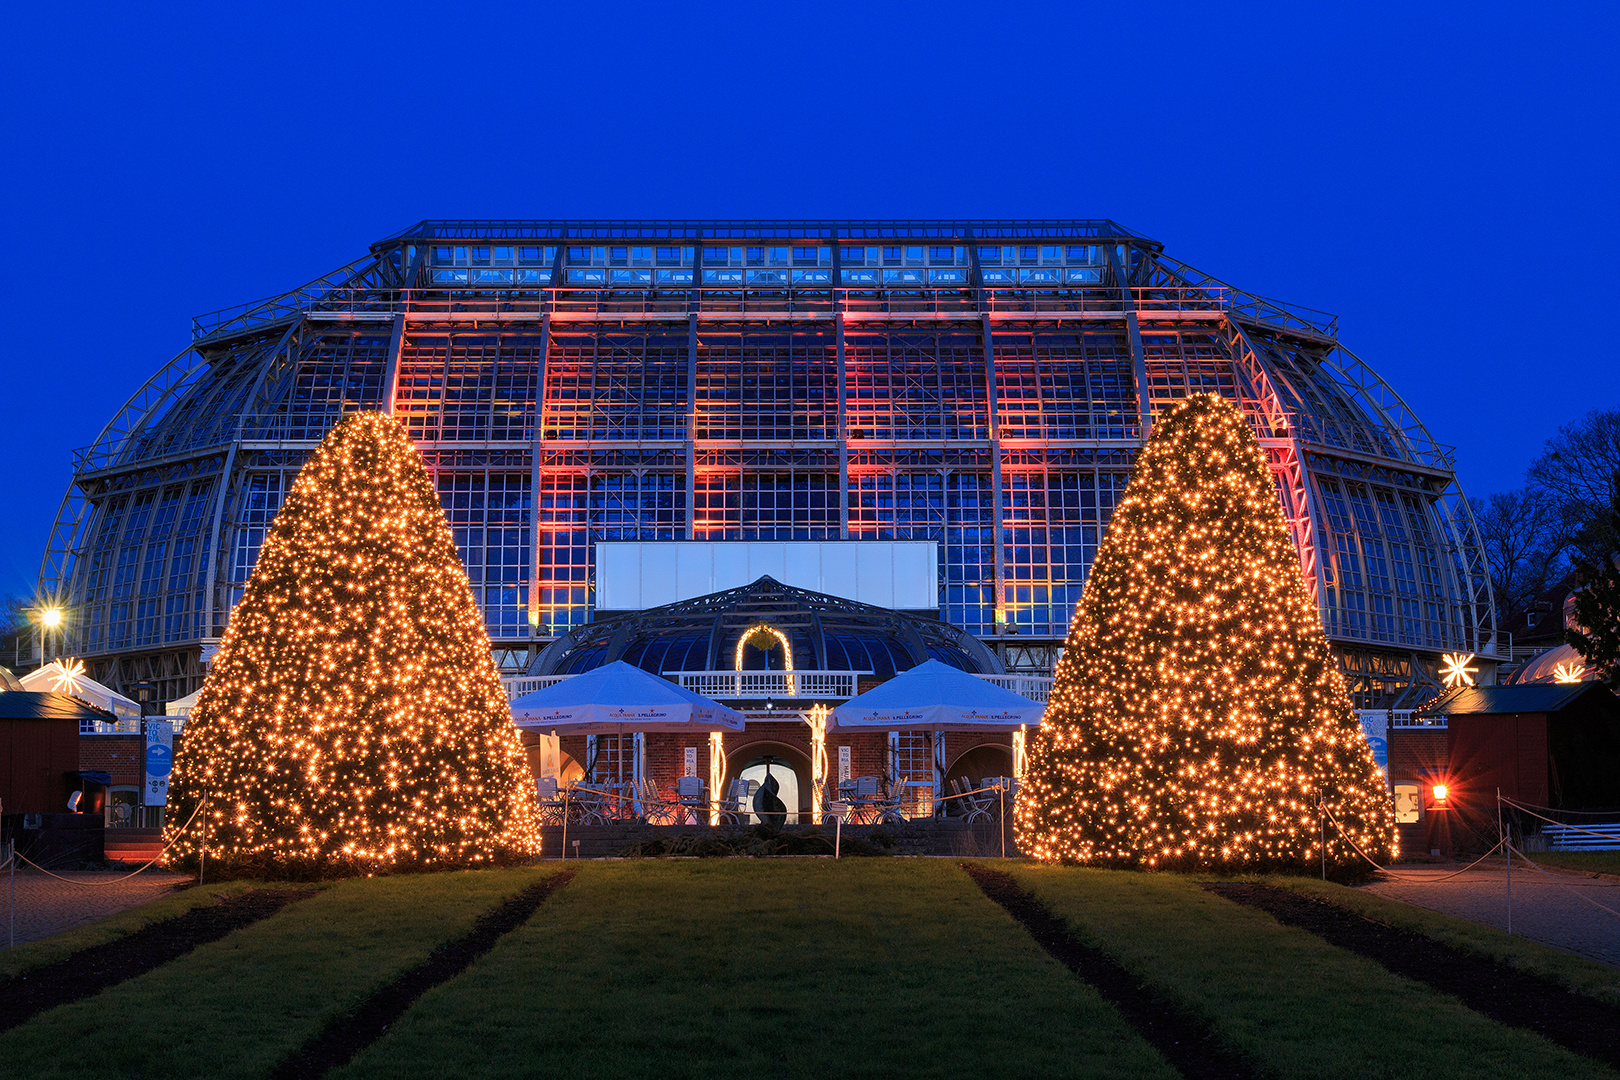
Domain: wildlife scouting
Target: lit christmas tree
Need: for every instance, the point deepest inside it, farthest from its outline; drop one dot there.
(353, 719)
(1198, 718)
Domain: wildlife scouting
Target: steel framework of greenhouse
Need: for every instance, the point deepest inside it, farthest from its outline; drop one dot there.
(982, 384)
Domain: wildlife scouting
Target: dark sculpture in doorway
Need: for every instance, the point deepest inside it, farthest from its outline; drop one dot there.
(771, 810)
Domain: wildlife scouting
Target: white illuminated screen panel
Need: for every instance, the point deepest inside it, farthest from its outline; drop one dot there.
(631, 576)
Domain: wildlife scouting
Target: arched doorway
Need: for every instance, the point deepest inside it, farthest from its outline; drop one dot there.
(986, 759)
(789, 765)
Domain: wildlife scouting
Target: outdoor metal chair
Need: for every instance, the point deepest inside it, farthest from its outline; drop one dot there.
(692, 798)
(891, 809)
(868, 790)
(731, 807)
(590, 804)
(975, 804)
(834, 810)
(655, 809)
(551, 803)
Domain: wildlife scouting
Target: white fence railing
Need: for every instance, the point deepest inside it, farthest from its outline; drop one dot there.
(760, 685)
(1372, 719)
(120, 727)
(518, 685)
(1035, 687)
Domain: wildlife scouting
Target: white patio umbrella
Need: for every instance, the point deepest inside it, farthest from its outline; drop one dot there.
(934, 696)
(620, 697)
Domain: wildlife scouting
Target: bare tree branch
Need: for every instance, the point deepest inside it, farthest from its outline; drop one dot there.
(1524, 545)
(1577, 469)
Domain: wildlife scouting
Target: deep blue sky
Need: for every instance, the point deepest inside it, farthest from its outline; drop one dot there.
(1442, 176)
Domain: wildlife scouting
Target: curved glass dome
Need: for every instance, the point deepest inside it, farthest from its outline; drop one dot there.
(980, 385)
(752, 623)
(1555, 665)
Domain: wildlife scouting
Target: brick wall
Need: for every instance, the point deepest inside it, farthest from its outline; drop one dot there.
(119, 755)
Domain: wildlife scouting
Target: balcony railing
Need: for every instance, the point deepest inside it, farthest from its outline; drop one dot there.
(518, 685)
(1035, 687)
(764, 685)
(1403, 719)
(120, 727)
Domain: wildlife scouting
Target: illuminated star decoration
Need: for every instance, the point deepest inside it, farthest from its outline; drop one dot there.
(66, 676)
(353, 719)
(1198, 718)
(1454, 669)
(1569, 673)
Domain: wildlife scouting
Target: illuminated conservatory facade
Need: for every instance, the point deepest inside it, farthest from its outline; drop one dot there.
(980, 385)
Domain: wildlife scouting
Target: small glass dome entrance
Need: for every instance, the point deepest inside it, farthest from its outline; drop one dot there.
(767, 624)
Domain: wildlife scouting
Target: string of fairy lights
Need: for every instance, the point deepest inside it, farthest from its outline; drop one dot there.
(353, 719)
(1198, 719)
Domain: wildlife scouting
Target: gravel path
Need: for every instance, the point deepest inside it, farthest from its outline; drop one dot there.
(46, 906)
(1549, 910)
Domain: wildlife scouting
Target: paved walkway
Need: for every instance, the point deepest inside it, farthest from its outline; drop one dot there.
(46, 906)
(1549, 910)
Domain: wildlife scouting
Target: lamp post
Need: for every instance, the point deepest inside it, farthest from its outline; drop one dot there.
(50, 617)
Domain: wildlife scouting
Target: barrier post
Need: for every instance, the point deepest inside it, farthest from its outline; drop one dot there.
(1001, 795)
(838, 834)
(1507, 851)
(1321, 816)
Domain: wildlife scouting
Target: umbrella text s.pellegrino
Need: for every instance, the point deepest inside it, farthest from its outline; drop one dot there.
(936, 697)
(620, 697)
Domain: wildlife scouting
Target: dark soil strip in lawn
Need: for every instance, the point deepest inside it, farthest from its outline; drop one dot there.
(1184, 1040)
(90, 971)
(348, 1035)
(1511, 997)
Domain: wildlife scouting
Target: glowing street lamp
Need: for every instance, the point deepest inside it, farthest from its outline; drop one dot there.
(49, 619)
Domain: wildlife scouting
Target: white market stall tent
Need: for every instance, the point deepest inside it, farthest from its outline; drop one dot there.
(68, 677)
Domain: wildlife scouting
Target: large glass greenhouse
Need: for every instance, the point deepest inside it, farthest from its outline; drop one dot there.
(981, 386)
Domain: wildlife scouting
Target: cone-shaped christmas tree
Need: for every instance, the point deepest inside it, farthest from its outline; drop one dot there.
(1198, 719)
(353, 719)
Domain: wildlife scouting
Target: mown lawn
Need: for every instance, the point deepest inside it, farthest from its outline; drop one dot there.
(236, 1007)
(1576, 973)
(756, 968)
(1284, 998)
(786, 968)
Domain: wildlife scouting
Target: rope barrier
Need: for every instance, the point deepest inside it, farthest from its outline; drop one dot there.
(1537, 868)
(126, 877)
(1499, 844)
(609, 795)
(1404, 877)
(1555, 810)
(1553, 821)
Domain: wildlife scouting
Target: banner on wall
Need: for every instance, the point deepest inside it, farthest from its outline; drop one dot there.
(551, 756)
(159, 761)
(1375, 726)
